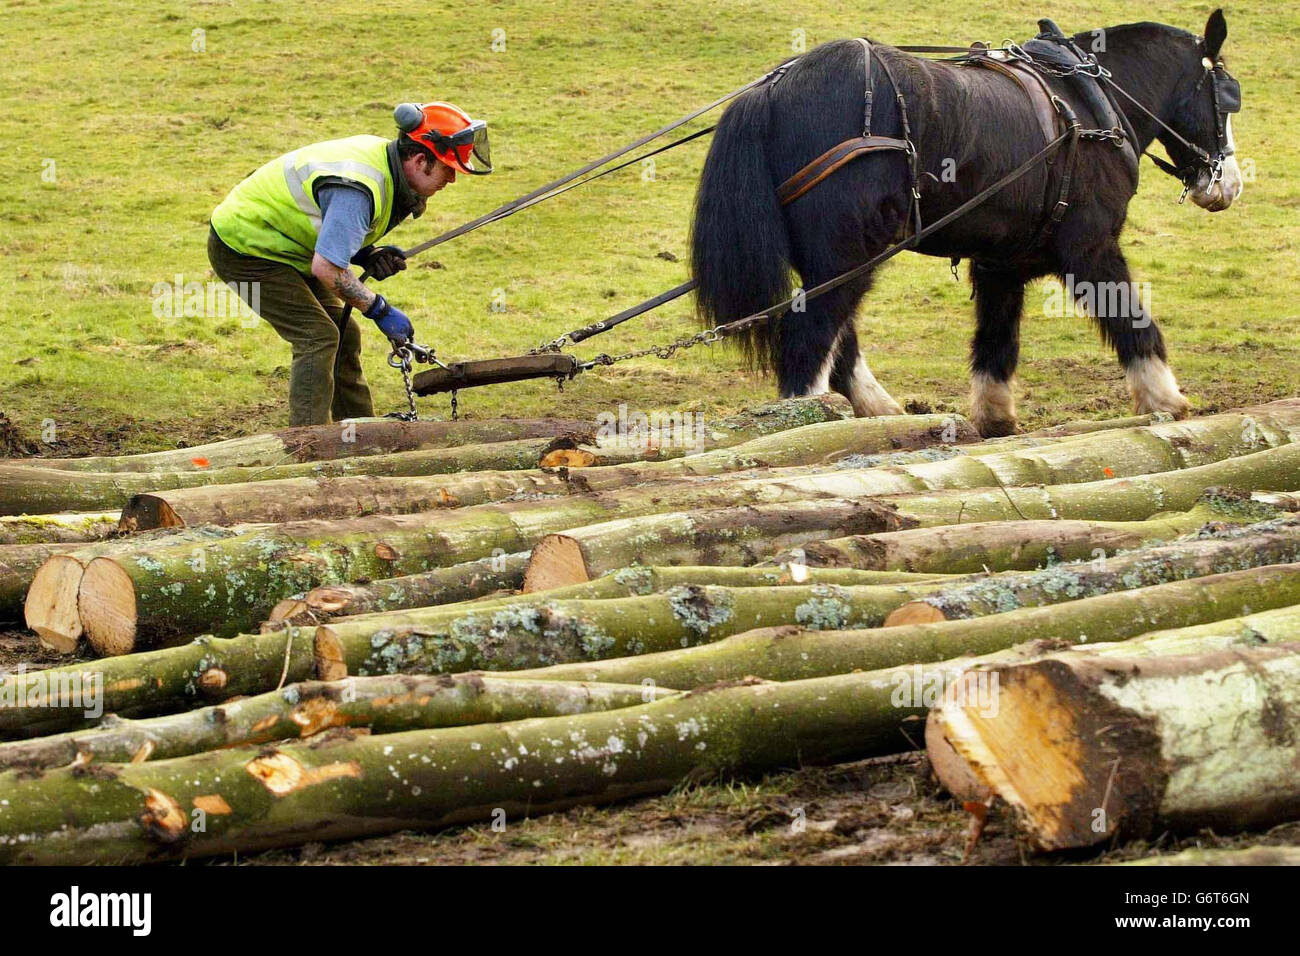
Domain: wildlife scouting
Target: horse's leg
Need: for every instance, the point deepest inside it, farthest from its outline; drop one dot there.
(995, 349)
(1102, 275)
(808, 341)
(851, 377)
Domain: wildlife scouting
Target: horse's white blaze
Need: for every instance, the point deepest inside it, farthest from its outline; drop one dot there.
(1154, 388)
(868, 396)
(1232, 182)
(991, 402)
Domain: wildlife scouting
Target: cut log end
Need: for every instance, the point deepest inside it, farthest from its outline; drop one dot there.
(914, 612)
(567, 458)
(51, 607)
(106, 603)
(147, 512)
(329, 600)
(556, 561)
(331, 663)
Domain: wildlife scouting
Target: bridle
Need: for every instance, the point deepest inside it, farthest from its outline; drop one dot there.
(1225, 96)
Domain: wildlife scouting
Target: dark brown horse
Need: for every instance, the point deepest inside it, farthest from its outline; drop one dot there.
(971, 126)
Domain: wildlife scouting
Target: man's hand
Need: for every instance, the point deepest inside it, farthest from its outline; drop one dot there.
(391, 320)
(380, 261)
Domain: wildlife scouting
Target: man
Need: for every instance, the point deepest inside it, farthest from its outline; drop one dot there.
(294, 226)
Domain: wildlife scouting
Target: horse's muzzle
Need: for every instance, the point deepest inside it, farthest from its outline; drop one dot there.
(1220, 194)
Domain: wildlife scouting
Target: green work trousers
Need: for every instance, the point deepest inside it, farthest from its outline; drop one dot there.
(325, 378)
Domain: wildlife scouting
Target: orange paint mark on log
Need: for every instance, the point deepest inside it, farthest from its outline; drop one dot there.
(282, 775)
(213, 803)
(201, 462)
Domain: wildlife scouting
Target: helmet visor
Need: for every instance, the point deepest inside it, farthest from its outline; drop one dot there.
(472, 150)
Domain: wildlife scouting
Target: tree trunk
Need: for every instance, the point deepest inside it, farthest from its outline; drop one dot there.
(24, 489)
(431, 588)
(1278, 499)
(1252, 546)
(1114, 499)
(786, 654)
(1250, 856)
(1089, 748)
(284, 795)
(294, 499)
(57, 529)
(1002, 545)
(349, 439)
(251, 800)
(50, 575)
(735, 536)
(612, 445)
(382, 704)
(532, 633)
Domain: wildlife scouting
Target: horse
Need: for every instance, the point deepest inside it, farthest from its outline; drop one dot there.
(969, 127)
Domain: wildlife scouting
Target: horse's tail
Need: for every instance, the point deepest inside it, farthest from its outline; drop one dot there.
(740, 250)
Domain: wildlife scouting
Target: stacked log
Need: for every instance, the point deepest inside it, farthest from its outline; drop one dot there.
(430, 621)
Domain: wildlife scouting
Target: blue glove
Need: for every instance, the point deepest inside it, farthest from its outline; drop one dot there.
(391, 320)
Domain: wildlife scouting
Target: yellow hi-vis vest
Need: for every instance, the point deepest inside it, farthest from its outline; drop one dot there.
(273, 213)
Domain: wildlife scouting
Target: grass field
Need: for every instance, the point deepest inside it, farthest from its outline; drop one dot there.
(143, 124)
(125, 124)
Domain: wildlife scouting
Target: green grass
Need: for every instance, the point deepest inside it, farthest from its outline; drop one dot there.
(147, 135)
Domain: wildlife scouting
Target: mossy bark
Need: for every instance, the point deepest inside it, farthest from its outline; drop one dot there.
(381, 704)
(1215, 552)
(797, 654)
(348, 439)
(57, 529)
(295, 499)
(1004, 545)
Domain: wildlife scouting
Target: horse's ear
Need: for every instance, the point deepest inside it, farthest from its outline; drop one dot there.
(1216, 31)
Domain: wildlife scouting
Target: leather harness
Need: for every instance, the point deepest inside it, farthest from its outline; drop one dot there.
(1053, 114)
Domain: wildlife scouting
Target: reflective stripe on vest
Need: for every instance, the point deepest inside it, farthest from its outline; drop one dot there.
(273, 213)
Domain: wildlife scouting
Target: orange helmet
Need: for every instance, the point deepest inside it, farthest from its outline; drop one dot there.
(449, 133)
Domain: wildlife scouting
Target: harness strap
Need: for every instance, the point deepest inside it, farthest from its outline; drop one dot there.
(831, 160)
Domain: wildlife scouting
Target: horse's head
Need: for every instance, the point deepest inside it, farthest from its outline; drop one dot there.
(1205, 99)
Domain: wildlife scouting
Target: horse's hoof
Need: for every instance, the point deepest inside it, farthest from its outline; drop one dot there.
(995, 427)
(1154, 389)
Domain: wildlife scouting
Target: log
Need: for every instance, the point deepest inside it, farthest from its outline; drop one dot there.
(531, 633)
(293, 499)
(24, 489)
(1113, 499)
(1215, 551)
(1200, 856)
(460, 582)
(244, 577)
(1004, 545)
(283, 795)
(736, 536)
(349, 439)
(516, 368)
(425, 590)
(1278, 499)
(380, 704)
(611, 447)
(1086, 748)
(787, 654)
(50, 576)
(57, 529)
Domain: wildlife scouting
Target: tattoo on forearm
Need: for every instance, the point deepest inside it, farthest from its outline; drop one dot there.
(349, 288)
